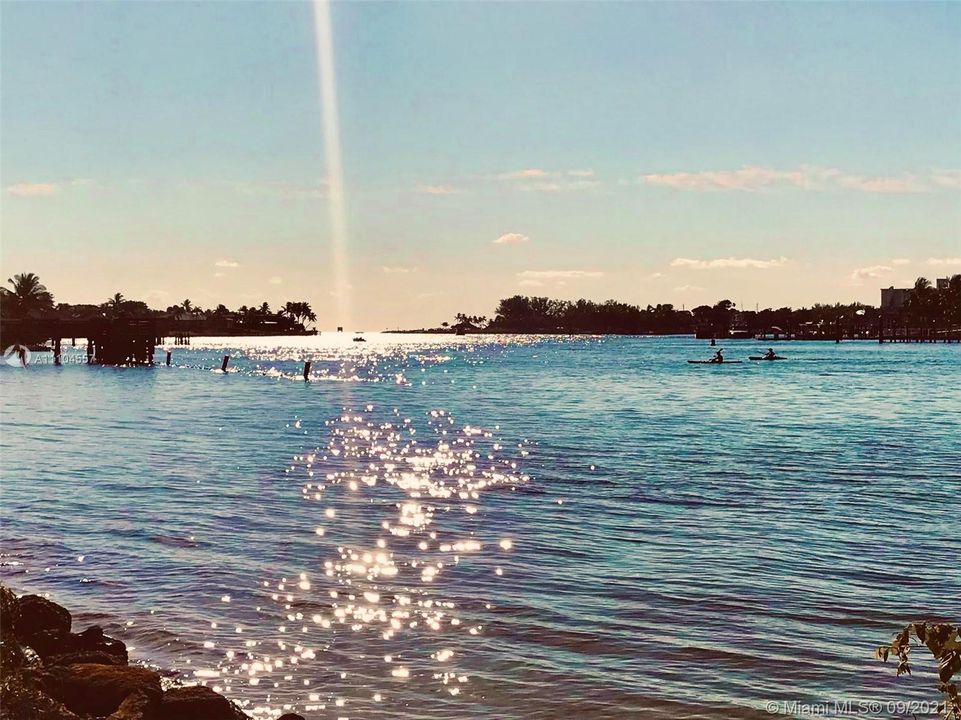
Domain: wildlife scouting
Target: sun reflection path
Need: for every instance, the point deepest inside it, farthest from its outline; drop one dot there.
(401, 517)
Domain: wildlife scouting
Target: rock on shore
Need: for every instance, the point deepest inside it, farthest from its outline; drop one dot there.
(49, 672)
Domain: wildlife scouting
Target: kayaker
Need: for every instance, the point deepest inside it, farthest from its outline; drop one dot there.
(718, 356)
(770, 354)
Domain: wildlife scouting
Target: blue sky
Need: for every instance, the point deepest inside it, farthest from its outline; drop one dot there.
(674, 152)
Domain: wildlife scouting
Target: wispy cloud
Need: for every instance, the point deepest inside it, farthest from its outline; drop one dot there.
(945, 262)
(226, 264)
(549, 181)
(687, 288)
(45, 189)
(538, 278)
(900, 261)
(526, 174)
(437, 190)
(560, 186)
(275, 280)
(947, 178)
(893, 185)
(40, 189)
(397, 269)
(753, 178)
(871, 271)
(511, 239)
(281, 189)
(729, 262)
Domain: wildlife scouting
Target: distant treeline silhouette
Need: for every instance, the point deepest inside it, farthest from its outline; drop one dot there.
(926, 307)
(28, 298)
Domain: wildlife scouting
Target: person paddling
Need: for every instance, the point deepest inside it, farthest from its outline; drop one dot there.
(770, 354)
(718, 356)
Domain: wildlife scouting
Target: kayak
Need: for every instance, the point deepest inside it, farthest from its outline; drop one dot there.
(761, 357)
(714, 362)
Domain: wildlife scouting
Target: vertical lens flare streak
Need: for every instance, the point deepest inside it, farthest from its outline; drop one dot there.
(327, 79)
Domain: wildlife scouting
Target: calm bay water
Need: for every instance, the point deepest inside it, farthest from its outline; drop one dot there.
(442, 527)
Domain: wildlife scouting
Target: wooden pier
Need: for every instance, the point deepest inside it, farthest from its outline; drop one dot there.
(121, 341)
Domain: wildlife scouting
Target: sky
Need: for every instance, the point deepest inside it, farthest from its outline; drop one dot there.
(772, 154)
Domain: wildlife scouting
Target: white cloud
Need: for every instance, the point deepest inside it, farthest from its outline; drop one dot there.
(25, 189)
(656, 276)
(397, 269)
(729, 262)
(900, 261)
(219, 274)
(511, 239)
(43, 189)
(747, 178)
(437, 190)
(275, 280)
(527, 174)
(226, 264)
(550, 187)
(906, 184)
(687, 288)
(753, 178)
(871, 271)
(551, 275)
(549, 181)
(945, 262)
(558, 186)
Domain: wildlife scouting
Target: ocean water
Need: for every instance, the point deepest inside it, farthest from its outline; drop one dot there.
(485, 527)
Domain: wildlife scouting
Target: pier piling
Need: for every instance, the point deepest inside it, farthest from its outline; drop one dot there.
(223, 367)
(169, 353)
(307, 370)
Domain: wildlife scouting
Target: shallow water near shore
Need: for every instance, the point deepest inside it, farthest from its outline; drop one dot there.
(485, 527)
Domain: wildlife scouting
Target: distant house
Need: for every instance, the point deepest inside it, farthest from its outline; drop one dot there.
(893, 299)
(943, 283)
(464, 327)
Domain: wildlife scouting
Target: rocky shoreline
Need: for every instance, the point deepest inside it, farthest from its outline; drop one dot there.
(49, 672)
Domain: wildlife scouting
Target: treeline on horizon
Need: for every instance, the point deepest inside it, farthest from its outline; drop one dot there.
(27, 298)
(926, 306)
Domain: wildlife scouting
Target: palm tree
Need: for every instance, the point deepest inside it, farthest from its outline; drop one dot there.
(28, 295)
(115, 304)
(187, 306)
(265, 309)
(953, 297)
